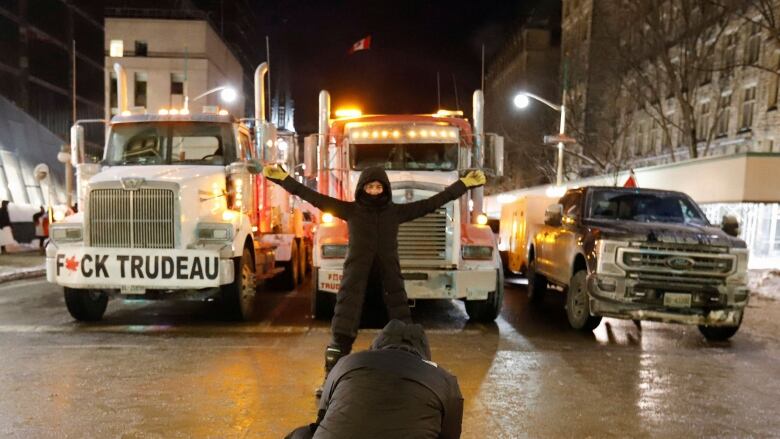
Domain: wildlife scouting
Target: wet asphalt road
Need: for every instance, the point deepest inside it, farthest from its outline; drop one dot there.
(163, 369)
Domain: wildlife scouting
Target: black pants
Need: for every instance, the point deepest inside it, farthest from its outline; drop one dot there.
(352, 295)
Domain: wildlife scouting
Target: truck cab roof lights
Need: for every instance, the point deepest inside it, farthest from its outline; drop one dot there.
(223, 112)
(162, 111)
(448, 113)
(482, 219)
(327, 218)
(348, 112)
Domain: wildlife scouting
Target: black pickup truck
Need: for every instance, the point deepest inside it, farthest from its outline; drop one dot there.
(640, 254)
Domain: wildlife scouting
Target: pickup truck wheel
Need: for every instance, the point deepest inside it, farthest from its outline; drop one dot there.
(718, 333)
(537, 284)
(487, 310)
(86, 305)
(578, 305)
(238, 297)
(322, 304)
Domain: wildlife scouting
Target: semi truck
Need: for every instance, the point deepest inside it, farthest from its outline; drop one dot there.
(448, 254)
(176, 210)
(640, 254)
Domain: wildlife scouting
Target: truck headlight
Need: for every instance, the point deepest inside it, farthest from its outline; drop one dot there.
(606, 254)
(215, 232)
(477, 252)
(739, 277)
(63, 232)
(331, 251)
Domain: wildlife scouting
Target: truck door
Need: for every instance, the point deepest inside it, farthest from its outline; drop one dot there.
(562, 246)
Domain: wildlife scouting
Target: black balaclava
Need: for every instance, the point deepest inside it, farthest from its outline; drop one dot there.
(367, 176)
(405, 336)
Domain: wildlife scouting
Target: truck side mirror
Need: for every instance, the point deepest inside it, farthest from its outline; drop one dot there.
(310, 155)
(495, 154)
(730, 225)
(553, 215)
(254, 166)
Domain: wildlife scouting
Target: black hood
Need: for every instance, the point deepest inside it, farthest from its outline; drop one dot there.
(399, 335)
(368, 175)
(676, 233)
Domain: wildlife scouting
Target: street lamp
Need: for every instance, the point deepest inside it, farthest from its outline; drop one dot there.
(523, 99)
(228, 94)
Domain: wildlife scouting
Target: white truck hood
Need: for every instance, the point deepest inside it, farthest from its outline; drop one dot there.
(174, 174)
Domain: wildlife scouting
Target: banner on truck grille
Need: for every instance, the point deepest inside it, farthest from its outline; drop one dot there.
(84, 266)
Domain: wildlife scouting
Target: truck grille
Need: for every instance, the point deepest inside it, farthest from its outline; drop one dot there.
(424, 239)
(142, 218)
(677, 263)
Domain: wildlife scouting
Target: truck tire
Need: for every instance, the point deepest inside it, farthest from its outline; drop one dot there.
(238, 297)
(86, 305)
(718, 333)
(578, 305)
(489, 309)
(290, 277)
(322, 304)
(537, 284)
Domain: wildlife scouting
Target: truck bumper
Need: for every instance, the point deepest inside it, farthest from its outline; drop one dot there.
(711, 305)
(133, 271)
(429, 284)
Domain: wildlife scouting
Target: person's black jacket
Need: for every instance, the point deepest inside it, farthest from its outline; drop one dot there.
(373, 234)
(390, 391)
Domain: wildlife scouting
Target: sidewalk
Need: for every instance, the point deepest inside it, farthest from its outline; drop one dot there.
(21, 262)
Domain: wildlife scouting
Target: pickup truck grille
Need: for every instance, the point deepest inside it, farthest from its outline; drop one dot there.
(424, 240)
(142, 218)
(673, 262)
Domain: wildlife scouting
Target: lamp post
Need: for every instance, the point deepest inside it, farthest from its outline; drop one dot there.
(228, 94)
(523, 99)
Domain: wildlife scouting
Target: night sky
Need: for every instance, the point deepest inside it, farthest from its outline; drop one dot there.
(412, 40)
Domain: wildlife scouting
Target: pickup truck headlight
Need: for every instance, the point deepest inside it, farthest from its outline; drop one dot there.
(215, 232)
(332, 251)
(740, 276)
(606, 254)
(483, 252)
(64, 232)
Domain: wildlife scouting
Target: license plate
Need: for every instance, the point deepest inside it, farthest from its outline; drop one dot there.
(677, 300)
(133, 289)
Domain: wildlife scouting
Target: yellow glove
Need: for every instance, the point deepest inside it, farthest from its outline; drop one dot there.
(274, 172)
(474, 179)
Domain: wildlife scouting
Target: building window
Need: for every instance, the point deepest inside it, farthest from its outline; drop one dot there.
(724, 116)
(177, 89)
(774, 84)
(140, 90)
(112, 99)
(703, 122)
(753, 47)
(748, 103)
(730, 53)
(141, 48)
(116, 48)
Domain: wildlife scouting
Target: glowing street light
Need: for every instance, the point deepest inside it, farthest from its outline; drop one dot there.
(523, 100)
(228, 94)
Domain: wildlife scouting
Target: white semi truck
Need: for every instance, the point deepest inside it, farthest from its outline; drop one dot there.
(176, 210)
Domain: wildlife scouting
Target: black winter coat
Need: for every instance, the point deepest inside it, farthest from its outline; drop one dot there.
(373, 237)
(391, 392)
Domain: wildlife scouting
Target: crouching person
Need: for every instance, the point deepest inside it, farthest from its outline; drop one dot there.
(392, 390)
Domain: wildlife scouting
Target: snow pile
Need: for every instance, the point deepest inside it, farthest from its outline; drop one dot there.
(765, 282)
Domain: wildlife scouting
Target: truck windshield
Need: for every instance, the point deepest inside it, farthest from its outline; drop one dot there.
(163, 143)
(404, 156)
(644, 207)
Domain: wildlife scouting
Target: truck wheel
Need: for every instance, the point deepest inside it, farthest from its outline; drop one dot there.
(290, 276)
(537, 284)
(488, 310)
(322, 304)
(86, 305)
(718, 333)
(238, 297)
(577, 304)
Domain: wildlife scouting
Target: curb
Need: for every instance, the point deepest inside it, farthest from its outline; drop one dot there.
(23, 274)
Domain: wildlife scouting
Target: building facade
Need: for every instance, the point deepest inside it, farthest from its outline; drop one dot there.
(168, 60)
(671, 82)
(51, 55)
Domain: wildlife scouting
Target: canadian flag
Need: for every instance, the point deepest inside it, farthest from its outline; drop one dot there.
(631, 180)
(362, 44)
